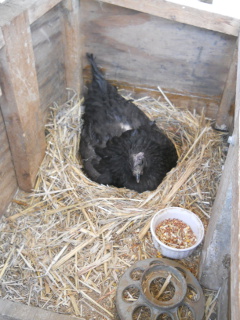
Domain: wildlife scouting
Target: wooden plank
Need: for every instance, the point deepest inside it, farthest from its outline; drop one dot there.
(221, 245)
(1, 39)
(152, 51)
(222, 120)
(47, 40)
(215, 258)
(235, 231)
(223, 301)
(8, 182)
(13, 8)
(17, 311)
(20, 106)
(183, 12)
(72, 44)
(37, 10)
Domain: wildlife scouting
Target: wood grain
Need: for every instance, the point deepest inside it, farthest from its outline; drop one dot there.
(149, 51)
(13, 8)
(1, 39)
(10, 310)
(37, 10)
(20, 102)
(222, 121)
(48, 47)
(8, 181)
(186, 13)
(235, 231)
(72, 40)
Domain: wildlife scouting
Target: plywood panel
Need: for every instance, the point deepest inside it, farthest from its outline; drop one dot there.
(149, 51)
(49, 58)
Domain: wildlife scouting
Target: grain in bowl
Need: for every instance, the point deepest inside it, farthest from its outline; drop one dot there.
(174, 245)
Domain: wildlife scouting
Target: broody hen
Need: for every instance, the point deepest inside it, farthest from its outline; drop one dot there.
(119, 145)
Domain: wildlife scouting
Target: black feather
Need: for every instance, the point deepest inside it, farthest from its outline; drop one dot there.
(114, 129)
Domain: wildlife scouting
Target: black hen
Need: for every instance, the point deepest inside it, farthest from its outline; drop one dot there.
(119, 145)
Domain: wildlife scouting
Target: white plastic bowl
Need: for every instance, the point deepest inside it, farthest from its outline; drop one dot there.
(184, 215)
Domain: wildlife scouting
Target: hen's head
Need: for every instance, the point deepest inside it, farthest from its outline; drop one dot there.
(138, 159)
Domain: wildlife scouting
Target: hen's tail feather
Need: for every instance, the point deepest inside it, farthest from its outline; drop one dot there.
(97, 75)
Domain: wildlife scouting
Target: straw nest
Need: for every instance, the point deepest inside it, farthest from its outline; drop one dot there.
(65, 246)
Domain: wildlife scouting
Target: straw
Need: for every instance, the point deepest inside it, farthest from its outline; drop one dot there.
(69, 242)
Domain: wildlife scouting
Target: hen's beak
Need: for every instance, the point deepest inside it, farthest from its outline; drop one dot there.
(138, 177)
(138, 165)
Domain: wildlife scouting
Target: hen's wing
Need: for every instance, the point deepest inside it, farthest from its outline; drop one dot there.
(107, 115)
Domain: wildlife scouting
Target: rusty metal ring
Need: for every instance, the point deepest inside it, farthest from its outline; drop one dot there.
(149, 270)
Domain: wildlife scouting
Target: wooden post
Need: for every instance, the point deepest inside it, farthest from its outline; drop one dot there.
(222, 120)
(235, 230)
(20, 106)
(72, 44)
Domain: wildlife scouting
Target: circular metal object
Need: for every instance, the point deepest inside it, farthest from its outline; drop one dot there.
(135, 291)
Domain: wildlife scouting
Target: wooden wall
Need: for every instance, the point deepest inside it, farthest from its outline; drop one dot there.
(49, 57)
(25, 104)
(40, 56)
(147, 51)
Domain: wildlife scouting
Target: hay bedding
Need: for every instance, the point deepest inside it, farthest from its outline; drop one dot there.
(65, 246)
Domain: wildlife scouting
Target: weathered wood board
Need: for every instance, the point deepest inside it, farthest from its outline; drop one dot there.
(148, 51)
(7, 173)
(73, 44)
(49, 58)
(223, 120)
(17, 311)
(235, 227)
(195, 13)
(20, 101)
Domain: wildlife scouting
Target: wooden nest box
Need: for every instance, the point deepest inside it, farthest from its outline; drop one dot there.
(190, 50)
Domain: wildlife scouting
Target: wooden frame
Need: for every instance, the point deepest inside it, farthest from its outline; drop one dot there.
(21, 94)
(21, 102)
(200, 15)
(235, 232)
(19, 82)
